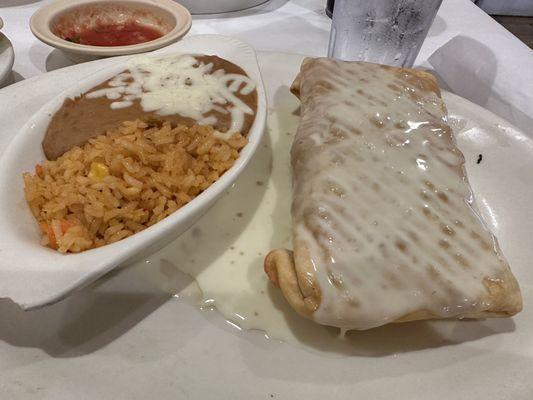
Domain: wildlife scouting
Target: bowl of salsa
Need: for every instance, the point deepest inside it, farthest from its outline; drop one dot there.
(110, 28)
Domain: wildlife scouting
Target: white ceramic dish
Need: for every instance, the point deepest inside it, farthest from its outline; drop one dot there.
(168, 16)
(7, 57)
(19, 236)
(131, 335)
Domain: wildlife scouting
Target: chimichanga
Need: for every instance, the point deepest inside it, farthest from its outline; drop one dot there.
(384, 226)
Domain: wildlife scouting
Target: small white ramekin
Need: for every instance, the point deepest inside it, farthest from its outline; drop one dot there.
(176, 18)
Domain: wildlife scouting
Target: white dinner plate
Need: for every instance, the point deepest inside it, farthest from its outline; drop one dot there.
(7, 57)
(135, 335)
(34, 275)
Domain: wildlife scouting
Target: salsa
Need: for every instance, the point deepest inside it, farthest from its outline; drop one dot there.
(115, 35)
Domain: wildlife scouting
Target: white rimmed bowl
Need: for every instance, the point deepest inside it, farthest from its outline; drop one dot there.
(19, 234)
(171, 18)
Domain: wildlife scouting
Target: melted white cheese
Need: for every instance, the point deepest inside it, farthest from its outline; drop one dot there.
(381, 202)
(180, 84)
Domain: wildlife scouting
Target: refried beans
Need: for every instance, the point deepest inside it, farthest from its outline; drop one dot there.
(83, 118)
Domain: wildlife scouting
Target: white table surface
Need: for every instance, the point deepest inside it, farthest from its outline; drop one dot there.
(295, 26)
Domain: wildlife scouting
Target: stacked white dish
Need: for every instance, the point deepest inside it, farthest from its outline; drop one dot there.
(7, 55)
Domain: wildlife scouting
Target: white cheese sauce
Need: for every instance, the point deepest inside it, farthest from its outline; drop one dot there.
(225, 249)
(382, 204)
(180, 84)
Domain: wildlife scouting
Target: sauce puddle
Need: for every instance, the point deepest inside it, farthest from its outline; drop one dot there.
(224, 251)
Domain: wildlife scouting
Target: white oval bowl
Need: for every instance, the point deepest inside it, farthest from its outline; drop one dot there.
(174, 19)
(19, 234)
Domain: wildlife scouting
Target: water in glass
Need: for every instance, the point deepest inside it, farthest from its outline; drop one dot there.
(382, 31)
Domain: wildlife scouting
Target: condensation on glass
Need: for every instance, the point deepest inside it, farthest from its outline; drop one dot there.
(381, 31)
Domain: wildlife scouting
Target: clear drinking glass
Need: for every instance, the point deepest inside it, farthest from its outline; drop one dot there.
(381, 31)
